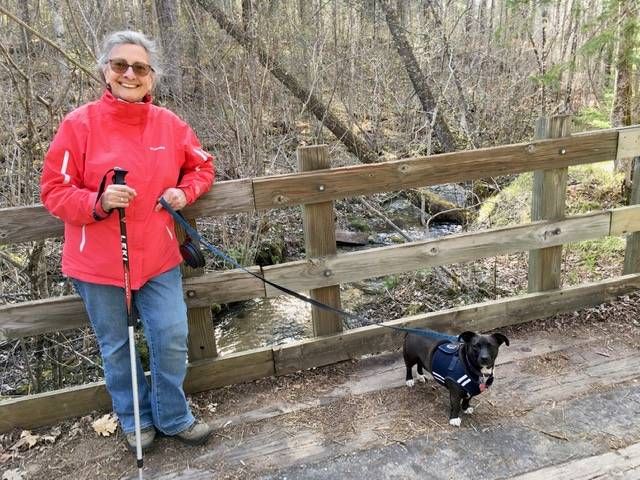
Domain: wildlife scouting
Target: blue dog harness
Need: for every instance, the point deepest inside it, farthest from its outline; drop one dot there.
(446, 363)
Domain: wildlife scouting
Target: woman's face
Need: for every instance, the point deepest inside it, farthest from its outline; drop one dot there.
(128, 86)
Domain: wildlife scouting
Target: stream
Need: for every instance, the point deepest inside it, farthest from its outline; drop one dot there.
(284, 319)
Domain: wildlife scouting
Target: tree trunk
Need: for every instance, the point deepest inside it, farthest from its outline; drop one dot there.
(467, 123)
(575, 31)
(171, 82)
(354, 144)
(621, 111)
(427, 100)
(622, 100)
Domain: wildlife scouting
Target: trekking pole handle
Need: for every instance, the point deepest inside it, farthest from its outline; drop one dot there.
(118, 176)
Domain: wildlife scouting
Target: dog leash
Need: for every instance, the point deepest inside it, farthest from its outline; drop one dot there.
(193, 233)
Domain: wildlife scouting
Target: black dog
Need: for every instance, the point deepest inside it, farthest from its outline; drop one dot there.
(464, 367)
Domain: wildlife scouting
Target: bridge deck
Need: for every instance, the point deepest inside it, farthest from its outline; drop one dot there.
(565, 404)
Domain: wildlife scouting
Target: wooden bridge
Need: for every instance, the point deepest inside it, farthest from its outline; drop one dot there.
(315, 188)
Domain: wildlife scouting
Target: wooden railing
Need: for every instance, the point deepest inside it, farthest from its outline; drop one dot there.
(325, 270)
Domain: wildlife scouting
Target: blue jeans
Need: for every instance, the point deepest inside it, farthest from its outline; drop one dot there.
(161, 308)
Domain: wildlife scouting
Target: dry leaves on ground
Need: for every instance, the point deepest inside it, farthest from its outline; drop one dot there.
(105, 425)
(14, 474)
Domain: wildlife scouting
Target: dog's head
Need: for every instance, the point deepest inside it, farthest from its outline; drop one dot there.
(482, 350)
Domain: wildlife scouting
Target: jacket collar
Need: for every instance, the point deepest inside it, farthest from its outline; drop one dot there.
(126, 112)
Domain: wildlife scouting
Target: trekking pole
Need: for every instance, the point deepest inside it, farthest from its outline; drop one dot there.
(118, 179)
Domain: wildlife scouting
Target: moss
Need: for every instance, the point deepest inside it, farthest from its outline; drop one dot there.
(391, 281)
(595, 117)
(509, 207)
(593, 252)
(590, 188)
(359, 225)
(270, 252)
(413, 309)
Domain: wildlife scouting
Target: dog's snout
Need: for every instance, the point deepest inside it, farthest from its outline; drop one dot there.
(485, 360)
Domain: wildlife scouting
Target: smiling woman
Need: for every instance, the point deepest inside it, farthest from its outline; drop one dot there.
(163, 159)
(128, 73)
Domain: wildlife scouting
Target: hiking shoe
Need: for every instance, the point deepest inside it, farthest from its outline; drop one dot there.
(147, 435)
(197, 434)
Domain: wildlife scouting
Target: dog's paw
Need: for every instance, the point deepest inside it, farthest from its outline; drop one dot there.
(469, 410)
(421, 378)
(455, 421)
(410, 383)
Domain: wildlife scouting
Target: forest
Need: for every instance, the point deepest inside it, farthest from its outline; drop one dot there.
(376, 80)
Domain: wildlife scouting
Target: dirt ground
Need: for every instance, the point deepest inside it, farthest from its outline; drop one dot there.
(324, 414)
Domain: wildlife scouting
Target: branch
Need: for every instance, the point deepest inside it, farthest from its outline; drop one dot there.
(50, 43)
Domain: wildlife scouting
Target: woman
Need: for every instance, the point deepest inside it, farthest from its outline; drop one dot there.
(164, 159)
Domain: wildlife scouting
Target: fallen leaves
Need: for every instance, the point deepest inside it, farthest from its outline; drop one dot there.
(105, 425)
(29, 440)
(12, 474)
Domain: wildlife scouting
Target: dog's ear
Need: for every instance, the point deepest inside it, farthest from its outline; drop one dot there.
(500, 338)
(466, 337)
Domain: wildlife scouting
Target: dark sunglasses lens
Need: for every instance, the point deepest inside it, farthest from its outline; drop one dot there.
(141, 69)
(119, 66)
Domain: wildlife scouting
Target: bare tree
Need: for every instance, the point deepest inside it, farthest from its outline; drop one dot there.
(170, 39)
(418, 79)
(312, 102)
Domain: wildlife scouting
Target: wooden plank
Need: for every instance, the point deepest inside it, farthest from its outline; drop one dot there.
(37, 410)
(63, 313)
(318, 221)
(21, 224)
(383, 372)
(548, 203)
(628, 143)
(224, 198)
(287, 442)
(632, 249)
(223, 287)
(623, 464)
(354, 266)
(201, 340)
(24, 224)
(41, 409)
(295, 189)
(43, 316)
(229, 369)
(625, 220)
(480, 317)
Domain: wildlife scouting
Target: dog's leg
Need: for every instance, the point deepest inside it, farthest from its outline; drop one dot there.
(456, 399)
(420, 376)
(465, 406)
(409, 377)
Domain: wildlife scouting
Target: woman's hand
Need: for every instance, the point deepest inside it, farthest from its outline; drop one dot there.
(116, 196)
(175, 197)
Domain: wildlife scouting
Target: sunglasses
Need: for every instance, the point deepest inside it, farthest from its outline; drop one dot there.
(120, 66)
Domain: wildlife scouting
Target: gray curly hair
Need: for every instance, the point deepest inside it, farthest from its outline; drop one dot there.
(129, 37)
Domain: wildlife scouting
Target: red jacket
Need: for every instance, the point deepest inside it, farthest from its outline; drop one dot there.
(158, 149)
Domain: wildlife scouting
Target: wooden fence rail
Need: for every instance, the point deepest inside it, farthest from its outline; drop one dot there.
(44, 316)
(21, 224)
(320, 187)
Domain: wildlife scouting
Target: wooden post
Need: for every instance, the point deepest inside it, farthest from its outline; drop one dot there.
(202, 340)
(548, 203)
(632, 253)
(320, 240)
